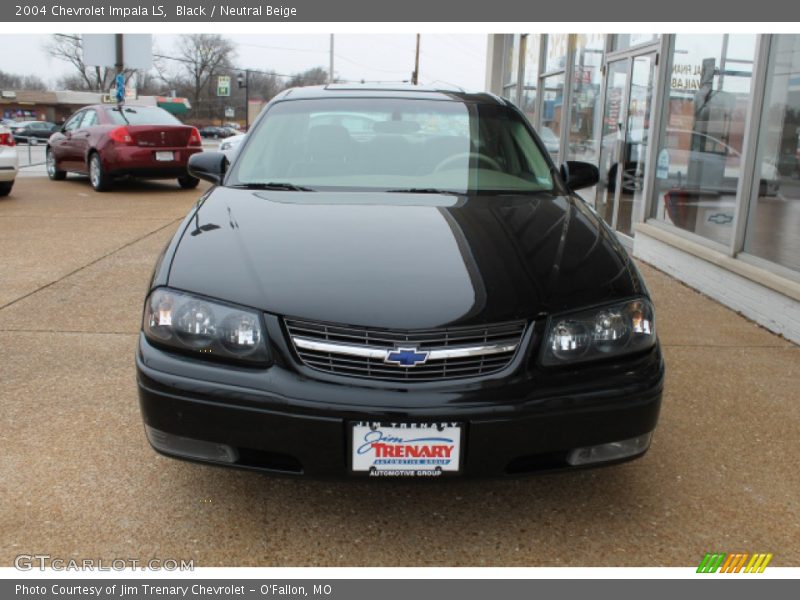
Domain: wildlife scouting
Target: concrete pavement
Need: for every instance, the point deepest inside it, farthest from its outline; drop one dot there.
(78, 479)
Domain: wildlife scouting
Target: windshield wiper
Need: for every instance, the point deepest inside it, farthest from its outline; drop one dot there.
(122, 113)
(423, 191)
(273, 185)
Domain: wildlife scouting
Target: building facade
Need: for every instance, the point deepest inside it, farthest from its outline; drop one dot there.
(697, 139)
(56, 107)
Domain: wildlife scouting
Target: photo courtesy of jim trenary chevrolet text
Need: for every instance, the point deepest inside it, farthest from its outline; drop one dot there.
(349, 299)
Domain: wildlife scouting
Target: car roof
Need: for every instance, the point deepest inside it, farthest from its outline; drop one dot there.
(114, 106)
(371, 90)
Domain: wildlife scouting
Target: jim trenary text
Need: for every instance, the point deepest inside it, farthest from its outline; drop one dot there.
(41, 9)
(123, 590)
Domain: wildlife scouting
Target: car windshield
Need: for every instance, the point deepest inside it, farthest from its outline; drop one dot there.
(141, 115)
(394, 144)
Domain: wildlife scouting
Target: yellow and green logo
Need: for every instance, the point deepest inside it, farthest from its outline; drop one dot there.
(741, 562)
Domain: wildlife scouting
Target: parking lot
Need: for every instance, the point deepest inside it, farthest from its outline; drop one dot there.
(79, 479)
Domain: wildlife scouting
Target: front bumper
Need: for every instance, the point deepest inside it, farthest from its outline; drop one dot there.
(283, 421)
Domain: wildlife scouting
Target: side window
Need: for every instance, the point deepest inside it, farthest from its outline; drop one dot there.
(89, 119)
(74, 122)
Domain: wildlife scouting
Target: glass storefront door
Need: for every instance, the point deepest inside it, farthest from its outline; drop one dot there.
(613, 134)
(630, 86)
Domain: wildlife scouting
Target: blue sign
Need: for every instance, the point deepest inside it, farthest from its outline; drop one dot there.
(120, 94)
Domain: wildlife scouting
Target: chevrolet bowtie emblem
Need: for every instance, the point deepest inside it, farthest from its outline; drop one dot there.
(406, 357)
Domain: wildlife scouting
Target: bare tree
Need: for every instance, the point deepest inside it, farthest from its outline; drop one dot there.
(201, 57)
(265, 85)
(69, 48)
(149, 83)
(313, 76)
(12, 81)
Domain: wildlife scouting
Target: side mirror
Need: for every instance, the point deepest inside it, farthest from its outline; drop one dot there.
(579, 175)
(210, 166)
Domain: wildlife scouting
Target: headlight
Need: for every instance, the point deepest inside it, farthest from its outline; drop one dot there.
(597, 333)
(189, 323)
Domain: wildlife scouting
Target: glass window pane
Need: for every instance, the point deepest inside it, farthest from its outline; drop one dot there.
(531, 76)
(612, 130)
(511, 59)
(552, 106)
(556, 57)
(623, 41)
(369, 144)
(640, 107)
(699, 160)
(773, 229)
(89, 119)
(585, 110)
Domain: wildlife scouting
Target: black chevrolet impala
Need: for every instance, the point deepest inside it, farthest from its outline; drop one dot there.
(396, 283)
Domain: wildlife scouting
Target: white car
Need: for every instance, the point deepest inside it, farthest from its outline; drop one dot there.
(230, 146)
(8, 161)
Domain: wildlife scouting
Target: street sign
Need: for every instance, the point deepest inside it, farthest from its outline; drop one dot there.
(230, 113)
(223, 85)
(99, 49)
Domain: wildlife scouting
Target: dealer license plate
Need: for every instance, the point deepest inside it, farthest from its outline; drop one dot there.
(406, 449)
(165, 156)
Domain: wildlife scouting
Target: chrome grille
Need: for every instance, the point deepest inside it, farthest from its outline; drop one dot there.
(452, 353)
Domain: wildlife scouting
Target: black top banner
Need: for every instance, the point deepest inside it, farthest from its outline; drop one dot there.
(199, 11)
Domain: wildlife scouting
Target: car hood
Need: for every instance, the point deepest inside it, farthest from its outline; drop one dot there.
(402, 261)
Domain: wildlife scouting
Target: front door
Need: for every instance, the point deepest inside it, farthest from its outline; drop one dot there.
(630, 86)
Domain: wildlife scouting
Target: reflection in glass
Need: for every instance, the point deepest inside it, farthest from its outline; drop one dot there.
(699, 160)
(623, 41)
(511, 66)
(773, 228)
(552, 109)
(616, 83)
(585, 111)
(640, 106)
(556, 56)
(531, 76)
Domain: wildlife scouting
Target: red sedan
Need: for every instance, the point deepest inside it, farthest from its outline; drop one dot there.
(106, 141)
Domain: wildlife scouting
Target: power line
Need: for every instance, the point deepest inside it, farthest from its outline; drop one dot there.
(455, 42)
(232, 68)
(264, 47)
(363, 66)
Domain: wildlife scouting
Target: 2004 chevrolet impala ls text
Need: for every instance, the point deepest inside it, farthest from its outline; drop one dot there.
(396, 282)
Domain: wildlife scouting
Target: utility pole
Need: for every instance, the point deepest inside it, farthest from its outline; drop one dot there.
(330, 68)
(119, 64)
(415, 74)
(246, 85)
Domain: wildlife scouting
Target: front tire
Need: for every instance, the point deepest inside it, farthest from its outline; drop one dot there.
(100, 180)
(53, 172)
(187, 182)
(5, 188)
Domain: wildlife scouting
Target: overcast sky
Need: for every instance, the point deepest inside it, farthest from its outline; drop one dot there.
(455, 59)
